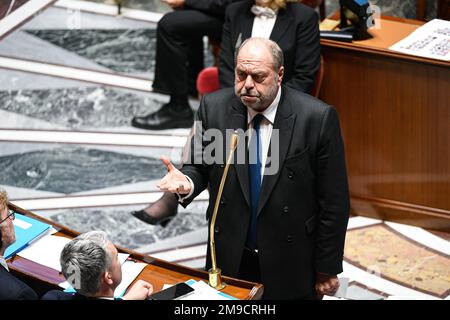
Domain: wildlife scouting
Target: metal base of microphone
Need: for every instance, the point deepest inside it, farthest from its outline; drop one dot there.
(215, 279)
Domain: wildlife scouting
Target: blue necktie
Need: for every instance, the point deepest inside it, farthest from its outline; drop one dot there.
(254, 171)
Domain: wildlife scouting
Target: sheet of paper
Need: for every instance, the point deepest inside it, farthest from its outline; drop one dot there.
(52, 230)
(343, 286)
(328, 24)
(204, 292)
(130, 271)
(123, 257)
(432, 40)
(332, 298)
(46, 251)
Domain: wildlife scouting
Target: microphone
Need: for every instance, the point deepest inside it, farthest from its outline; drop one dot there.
(215, 278)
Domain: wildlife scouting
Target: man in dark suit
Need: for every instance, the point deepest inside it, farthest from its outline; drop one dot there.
(283, 223)
(295, 28)
(91, 266)
(179, 58)
(11, 288)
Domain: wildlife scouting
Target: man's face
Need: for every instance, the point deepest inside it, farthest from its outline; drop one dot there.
(7, 227)
(116, 268)
(256, 81)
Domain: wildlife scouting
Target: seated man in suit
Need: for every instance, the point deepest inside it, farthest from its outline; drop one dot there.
(91, 266)
(285, 204)
(11, 288)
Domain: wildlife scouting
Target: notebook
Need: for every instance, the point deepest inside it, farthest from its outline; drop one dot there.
(27, 230)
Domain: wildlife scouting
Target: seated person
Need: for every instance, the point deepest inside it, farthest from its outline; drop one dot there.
(91, 266)
(179, 59)
(293, 26)
(11, 288)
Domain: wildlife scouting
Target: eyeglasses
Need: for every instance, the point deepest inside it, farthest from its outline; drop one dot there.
(11, 215)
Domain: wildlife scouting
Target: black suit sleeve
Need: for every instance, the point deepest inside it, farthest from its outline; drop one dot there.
(333, 196)
(26, 293)
(307, 54)
(12, 288)
(227, 48)
(213, 7)
(195, 168)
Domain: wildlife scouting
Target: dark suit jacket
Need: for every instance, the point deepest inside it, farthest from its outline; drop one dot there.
(212, 7)
(12, 288)
(296, 31)
(303, 209)
(61, 295)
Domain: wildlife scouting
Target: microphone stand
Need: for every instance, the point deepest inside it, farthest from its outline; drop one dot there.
(215, 278)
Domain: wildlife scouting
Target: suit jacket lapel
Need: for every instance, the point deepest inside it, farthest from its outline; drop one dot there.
(281, 24)
(284, 123)
(239, 121)
(247, 25)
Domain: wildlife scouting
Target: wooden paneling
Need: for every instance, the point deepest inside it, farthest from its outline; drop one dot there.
(395, 117)
(444, 9)
(421, 9)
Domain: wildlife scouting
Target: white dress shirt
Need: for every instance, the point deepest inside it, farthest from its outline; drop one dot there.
(3, 263)
(263, 26)
(265, 128)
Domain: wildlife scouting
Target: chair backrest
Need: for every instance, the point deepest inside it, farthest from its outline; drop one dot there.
(208, 81)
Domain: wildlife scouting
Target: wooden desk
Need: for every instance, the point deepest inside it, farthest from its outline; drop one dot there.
(157, 272)
(395, 116)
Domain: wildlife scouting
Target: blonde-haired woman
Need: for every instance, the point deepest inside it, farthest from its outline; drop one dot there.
(293, 26)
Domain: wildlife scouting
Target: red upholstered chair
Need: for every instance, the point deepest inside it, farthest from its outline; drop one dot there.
(208, 81)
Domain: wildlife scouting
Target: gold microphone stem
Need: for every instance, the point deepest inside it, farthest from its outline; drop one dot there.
(214, 270)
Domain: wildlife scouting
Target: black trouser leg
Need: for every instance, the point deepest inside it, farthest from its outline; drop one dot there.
(178, 45)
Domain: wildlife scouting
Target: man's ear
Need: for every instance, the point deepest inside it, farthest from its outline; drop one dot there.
(107, 277)
(280, 75)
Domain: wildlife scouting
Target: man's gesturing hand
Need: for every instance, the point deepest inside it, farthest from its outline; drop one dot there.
(326, 284)
(174, 181)
(174, 3)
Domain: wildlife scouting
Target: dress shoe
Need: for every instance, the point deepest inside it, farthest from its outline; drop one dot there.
(169, 116)
(145, 217)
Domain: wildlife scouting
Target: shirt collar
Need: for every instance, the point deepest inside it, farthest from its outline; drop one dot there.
(263, 12)
(269, 113)
(3, 263)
